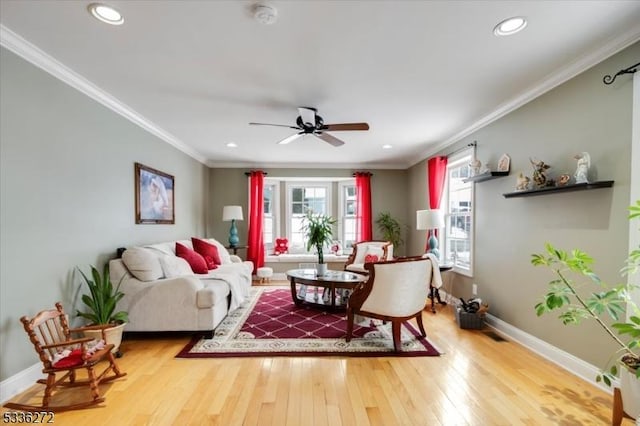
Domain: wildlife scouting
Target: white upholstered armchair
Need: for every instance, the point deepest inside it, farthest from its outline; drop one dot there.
(396, 291)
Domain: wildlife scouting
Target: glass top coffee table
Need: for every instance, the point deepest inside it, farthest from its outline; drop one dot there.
(329, 291)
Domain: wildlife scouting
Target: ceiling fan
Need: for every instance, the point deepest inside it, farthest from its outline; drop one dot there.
(310, 123)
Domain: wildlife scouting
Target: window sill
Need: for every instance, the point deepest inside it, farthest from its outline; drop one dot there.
(310, 258)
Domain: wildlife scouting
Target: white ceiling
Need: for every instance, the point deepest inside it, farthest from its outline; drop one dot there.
(423, 74)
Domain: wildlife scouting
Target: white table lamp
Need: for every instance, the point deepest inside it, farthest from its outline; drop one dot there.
(430, 220)
(232, 213)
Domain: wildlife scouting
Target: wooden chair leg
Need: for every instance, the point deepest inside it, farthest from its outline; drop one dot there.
(420, 324)
(395, 328)
(95, 393)
(350, 319)
(48, 390)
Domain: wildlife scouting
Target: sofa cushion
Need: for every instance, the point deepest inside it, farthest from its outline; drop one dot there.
(208, 251)
(196, 261)
(213, 292)
(142, 264)
(174, 266)
(225, 257)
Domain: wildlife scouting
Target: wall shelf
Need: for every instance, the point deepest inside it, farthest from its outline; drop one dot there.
(566, 188)
(485, 176)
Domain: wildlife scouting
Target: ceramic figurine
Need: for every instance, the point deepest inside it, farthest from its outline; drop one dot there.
(582, 171)
(474, 167)
(522, 182)
(539, 172)
(563, 179)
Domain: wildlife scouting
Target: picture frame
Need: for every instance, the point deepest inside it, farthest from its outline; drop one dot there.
(504, 163)
(154, 196)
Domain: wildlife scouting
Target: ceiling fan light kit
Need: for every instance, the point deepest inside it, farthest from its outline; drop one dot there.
(310, 123)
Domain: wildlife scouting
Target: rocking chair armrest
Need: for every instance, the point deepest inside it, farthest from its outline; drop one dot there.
(68, 343)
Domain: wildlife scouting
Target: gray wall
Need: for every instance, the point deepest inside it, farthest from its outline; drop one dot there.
(230, 187)
(67, 198)
(580, 115)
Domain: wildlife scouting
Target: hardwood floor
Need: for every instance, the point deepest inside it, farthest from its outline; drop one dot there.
(477, 381)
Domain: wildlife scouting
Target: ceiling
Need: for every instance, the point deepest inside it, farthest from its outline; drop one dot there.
(423, 74)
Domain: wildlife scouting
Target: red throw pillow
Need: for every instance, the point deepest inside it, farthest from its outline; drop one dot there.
(371, 258)
(195, 260)
(71, 360)
(208, 251)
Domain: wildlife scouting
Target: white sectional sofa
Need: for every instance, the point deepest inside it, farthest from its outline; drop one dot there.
(163, 294)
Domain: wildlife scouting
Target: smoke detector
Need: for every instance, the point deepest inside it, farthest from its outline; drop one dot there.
(264, 13)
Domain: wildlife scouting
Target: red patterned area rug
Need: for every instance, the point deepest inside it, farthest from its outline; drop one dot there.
(270, 324)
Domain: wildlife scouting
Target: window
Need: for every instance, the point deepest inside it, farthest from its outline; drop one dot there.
(270, 222)
(303, 198)
(458, 205)
(347, 214)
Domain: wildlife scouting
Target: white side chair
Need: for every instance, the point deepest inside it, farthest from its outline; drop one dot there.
(396, 291)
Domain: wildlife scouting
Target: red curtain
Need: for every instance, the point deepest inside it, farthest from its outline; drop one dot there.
(436, 174)
(255, 249)
(363, 202)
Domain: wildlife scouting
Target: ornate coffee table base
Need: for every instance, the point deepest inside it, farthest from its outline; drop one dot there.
(331, 283)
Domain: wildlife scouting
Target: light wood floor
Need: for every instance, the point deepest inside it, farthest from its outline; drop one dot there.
(477, 381)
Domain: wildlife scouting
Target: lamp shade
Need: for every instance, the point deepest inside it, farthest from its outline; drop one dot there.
(429, 219)
(231, 213)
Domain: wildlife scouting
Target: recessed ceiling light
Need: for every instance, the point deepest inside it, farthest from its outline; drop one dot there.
(387, 146)
(232, 145)
(105, 13)
(510, 26)
(265, 13)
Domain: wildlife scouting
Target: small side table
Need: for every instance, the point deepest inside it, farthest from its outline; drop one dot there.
(236, 248)
(434, 293)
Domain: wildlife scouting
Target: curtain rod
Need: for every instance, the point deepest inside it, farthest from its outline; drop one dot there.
(369, 173)
(249, 173)
(474, 143)
(607, 79)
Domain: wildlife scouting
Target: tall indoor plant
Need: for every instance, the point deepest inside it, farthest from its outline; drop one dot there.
(591, 298)
(101, 306)
(390, 228)
(318, 230)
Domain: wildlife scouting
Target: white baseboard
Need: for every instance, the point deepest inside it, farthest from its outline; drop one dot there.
(563, 359)
(20, 382)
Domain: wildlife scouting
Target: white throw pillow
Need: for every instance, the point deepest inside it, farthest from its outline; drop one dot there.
(173, 266)
(375, 251)
(142, 264)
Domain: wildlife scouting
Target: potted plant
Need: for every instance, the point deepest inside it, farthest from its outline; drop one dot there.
(101, 305)
(318, 230)
(591, 298)
(390, 228)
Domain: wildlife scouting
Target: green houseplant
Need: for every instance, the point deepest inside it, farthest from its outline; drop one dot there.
(390, 228)
(578, 294)
(101, 304)
(318, 230)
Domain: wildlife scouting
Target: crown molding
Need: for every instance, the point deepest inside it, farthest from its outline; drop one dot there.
(240, 165)
(36, 56)
(550, 82)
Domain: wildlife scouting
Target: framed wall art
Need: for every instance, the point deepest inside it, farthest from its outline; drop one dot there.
(504, 163)
(154, 196)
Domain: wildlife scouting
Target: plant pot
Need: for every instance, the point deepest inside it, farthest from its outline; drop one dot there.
(321, 269)
(630, 390)
(113, 335)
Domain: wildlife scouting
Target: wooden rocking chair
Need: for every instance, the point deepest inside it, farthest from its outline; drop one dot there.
(51, 336)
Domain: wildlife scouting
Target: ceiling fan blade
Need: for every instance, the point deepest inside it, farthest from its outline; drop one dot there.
(277, 125)
(345, 126)
(290, 139)
(308, 115)
(330, 139)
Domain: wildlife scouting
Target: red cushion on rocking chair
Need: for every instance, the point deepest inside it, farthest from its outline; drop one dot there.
(71, 360)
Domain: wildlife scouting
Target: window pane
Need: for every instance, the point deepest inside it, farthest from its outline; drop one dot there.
(350, 208)
(296, 194)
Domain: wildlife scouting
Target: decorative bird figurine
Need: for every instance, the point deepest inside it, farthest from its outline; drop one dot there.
(539, 172)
